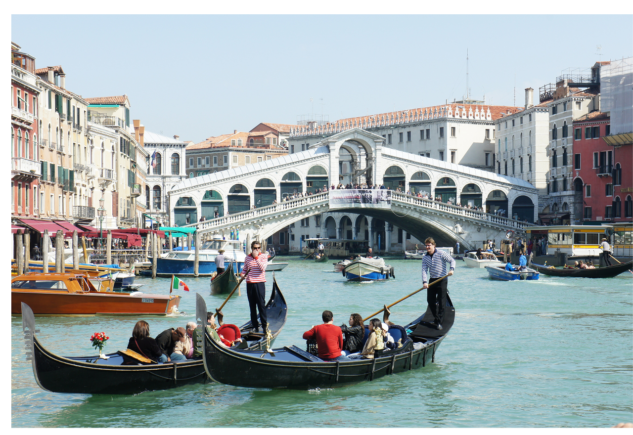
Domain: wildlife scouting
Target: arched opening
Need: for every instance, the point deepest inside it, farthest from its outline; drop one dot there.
(157, 164)
(497, 203)
(239, 200)
(147, 197)
(347, 228)
(578, 198)
(420, 183)
(362, 227)
(471, 195)
(175, 164)
(330, 228)
(290, 184)
(446, 190)
(316, 179)
(346, 166)
(523, 209)
(394, 178)
(628, 207)
(185, 211)
(265, 193)
(156, 202)
(617, 207)
(212, 205)
(378, 228)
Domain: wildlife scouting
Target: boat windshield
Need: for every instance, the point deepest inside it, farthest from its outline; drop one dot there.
(222, 244)
(40, 285)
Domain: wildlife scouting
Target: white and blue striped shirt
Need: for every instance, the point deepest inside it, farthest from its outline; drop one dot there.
(436, 265)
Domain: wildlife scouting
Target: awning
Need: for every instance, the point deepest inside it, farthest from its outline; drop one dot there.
(87, 227)
(69, 228)
(15, 229)
(132, 239)
(178, 231)
(41, 226)
(142, 232)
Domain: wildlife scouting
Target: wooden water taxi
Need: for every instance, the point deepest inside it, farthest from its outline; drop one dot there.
(74, 294)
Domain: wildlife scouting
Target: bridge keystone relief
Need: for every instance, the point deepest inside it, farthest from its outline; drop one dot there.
(253, 198)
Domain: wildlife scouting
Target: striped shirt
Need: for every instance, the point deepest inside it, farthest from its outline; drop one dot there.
(436, 264)
(257, 268)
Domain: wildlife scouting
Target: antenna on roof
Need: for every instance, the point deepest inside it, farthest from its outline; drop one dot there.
(599, 53)
(467, 93)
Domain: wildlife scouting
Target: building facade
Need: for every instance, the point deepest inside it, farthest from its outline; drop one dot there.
(25, 156)
(280, 132)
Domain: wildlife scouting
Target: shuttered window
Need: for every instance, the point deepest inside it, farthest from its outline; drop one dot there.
(71, 180)
(44, 170)
(52, 172)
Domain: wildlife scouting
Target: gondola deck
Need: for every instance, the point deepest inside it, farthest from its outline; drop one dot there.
(600, 272)
(92, 375)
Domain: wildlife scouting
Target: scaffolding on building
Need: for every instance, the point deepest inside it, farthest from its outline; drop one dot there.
(617, 94)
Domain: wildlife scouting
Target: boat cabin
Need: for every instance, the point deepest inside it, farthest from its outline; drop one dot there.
(573, 240)
(337, 248)
(623, 239)
(54, 282)
(484, 256)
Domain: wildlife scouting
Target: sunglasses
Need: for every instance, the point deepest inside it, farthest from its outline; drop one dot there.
(257, 247)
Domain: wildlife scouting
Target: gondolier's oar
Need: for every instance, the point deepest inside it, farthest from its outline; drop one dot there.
(217, 310)
(400, 300)
(619, 262)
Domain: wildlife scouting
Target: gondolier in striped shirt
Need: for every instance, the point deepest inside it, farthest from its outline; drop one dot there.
(255, 265)
(434, 265)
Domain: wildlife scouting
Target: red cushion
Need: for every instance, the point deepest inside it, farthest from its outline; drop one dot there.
(229, 332)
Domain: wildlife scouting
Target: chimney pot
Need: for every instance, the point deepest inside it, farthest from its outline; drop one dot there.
(62, 81)
(176, 137)
(234, 131)
(50, 75)
(529, 98)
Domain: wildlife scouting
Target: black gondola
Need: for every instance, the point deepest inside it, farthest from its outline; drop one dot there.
(599, 272)
(225, 282)
(294, 368)
(91, 375)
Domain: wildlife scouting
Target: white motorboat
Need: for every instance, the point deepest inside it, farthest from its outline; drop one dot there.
(368, 269)
(420, 253)
(487, 259)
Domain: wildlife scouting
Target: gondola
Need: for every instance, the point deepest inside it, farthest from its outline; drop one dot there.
(224, 282)
(91, 375)
(320, 258)
(294, 368)
(600, 272)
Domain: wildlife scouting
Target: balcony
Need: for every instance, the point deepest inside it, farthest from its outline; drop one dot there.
(604, 170)
(52, 146)
(564, 142)
(62, 116)
(505, 155)
(43, 143)
(512, 154)
(83, 212)
(22, 114)
(91, 171)
(104, 119)
(67, 187)
(60, 148)
(529, 150)
(106, 174)
(136, 190)
(25, 168)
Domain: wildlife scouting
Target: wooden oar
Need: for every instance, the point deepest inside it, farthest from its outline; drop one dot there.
(400, 300)
(217, 310)
(619, 262)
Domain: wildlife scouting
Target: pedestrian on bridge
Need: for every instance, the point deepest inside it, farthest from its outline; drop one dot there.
(434, 265)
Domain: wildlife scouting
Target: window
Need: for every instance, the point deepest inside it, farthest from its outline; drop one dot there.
(617, 175)
(274, 141)
(199, 162)
(408, 136)
(35, 207)
(554, 159)
(588, 191)
(607, 130)
(609, 190)
(215, 160)
(564, 156)
(512, 166)
(628, 207)
(27, 193)
(259, 159)
(565, 129)
(577, 134)
(487, 133)
(529, 163)
(400, 137)
(587, 132)
(521, 164)
(239, 142)
(303, 146)
(565, 107)
(235, 157)
(428, 133)
(513, 123)
(530, 117)
(554, 186)
(617, 205)
(282, 238)
(292, 149)
(158, 164)
(442, 155)
(421, 134)
(595, 160)
(248, 159)
(207, 161)
(576, 161)
(608, 214)
(595, 132)
(487, 159)
(267, 141)
(389, 138)
(499, 168)
(453, 129)
(225, 160)
(555, 109)
(441, 131)
(175, 164)
(452, 156)
(269, 157)
(564, 184)
(20, 194)
(506, 144)
(587, 213)
(554, 132)
(578, 105)
(232, 142)
(506, 167)
(52, 204)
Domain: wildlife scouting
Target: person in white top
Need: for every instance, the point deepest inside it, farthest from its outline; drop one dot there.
(606, 251)
(321, 248)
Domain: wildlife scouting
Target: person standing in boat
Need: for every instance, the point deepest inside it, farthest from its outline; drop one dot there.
(606, 251)
(219, 261)
(370, 253)
(434, 265)
(255, 265)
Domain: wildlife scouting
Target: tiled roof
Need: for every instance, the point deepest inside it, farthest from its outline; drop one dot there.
(260, 133)
(592, 116)
(282, 128)
(220, 141)
(576, 92)
(57, 69)
(151, 138)
(121, 99)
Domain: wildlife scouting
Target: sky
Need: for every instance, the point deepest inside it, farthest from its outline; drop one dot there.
(198, 76)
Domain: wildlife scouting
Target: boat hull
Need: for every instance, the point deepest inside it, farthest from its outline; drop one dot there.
(225, 282)
(321, 259)
(480, 264)
(601, 272)
(166, 267)
(501, 274)
(124, 280)
(93, 303)
(359, 271)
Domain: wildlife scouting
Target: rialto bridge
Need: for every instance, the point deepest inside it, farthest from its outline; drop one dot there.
(252, 198)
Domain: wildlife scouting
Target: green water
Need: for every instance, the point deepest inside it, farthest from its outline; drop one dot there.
(551, 353)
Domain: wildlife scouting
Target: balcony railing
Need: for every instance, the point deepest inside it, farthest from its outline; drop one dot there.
(52, 146)
(22, 114)
(90, 171)
(26, 166)
(564, 142)
(604, 170)
(104, 119)
(43, 143)
(107, 174)
(62, 116)
(60, 148)
(553, 172)
(136, 190)
(575, 78)
(529, 149)
(546, 92)
(83, 212)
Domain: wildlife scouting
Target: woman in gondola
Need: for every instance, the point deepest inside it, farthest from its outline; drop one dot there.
(374, 342)
(145, 345)
(353, 334)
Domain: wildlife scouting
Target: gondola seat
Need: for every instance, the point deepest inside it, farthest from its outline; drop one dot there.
(398, 333)
(230, 332)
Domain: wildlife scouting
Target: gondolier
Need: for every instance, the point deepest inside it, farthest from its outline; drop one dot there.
(606, 251)
(219, 261)
(255, 265)
(434, 265)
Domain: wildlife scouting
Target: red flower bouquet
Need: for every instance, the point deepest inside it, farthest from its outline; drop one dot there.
(99, 341)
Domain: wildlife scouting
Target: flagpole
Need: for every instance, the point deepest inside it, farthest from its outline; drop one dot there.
(171, 287)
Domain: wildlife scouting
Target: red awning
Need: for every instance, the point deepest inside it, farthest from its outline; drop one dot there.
(86, 227)
(68, 227)
(142, 232)
(132, 239)
(15, 229)
(40, 226)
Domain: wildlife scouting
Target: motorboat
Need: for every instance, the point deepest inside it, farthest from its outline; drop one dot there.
(418, 254)
(499, 272)
(340, 266)
(368, 269)
(74, 294)
(487, 259)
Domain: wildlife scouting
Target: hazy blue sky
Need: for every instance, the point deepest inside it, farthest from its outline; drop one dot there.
(205, 75)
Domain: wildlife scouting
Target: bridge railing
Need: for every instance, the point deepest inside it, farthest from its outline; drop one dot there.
(263, 211)
(453, 209)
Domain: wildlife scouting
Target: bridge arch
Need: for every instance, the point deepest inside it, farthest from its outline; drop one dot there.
(421, 182)
(330, 227)
(238, 199)
(316, 179)
(471, 195)
(185, 211)
(290, 184)
(497, 202)
(394, 178)
(211, 203)
(265, 193)
(523, 208)
(346, 228)
(361, 227)
(446, 189)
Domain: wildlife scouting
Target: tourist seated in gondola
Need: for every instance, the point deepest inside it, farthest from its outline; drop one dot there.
(590, 265)
(329, 338)
(509, 267)
(143, 344)
(582, 265)
(375, 341)
(353, 334)
(211, 330)
(182, 347)
(166, 340)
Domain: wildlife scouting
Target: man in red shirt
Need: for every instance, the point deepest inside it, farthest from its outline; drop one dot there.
(329, 338)
(255, 265)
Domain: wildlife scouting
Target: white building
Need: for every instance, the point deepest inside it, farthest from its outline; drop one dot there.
(522, 139)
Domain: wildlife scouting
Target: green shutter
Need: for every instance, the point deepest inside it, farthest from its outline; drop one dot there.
(127, 116)
(72, 180)
(44, 170)
(52, 170)
(50, 99)
(59, 174)
(68, 107)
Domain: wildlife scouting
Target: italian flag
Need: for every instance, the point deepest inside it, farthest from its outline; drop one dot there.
(177, 284)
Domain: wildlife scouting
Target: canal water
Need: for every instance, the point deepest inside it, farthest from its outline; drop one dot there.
(552, 353)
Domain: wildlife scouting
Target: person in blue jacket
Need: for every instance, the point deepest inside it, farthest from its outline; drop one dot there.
(509, 267)
(522, 262)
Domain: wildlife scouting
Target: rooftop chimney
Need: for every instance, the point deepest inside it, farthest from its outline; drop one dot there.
(234, 131)
(529, 98)
(62, 81)
(50, 75)
(176, 137)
